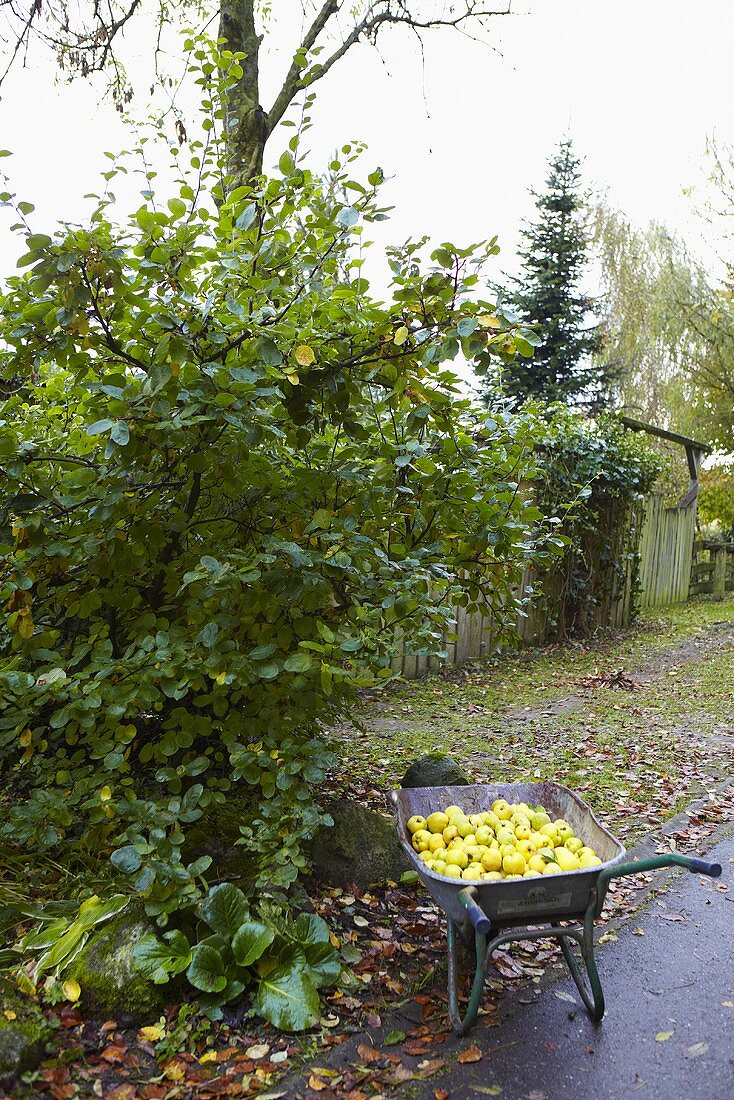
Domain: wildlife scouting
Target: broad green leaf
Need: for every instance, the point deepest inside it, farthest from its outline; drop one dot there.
(100, 426)
(288, 999)
(226, 909)
(324, 966)
(120, 433)
(126, 859)
(159, 960)
(297, 662)
(206, 969)
(251, 939)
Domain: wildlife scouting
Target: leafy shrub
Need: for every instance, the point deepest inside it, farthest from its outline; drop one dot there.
(593, 474)
(288, 959)
(229, 475)
(716, 501)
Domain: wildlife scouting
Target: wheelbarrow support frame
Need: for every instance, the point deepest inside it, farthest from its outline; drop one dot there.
(584, 973)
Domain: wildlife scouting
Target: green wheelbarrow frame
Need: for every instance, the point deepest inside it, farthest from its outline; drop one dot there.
(497, 913)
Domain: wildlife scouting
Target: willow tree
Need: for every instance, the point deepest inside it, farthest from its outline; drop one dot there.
(89, 38)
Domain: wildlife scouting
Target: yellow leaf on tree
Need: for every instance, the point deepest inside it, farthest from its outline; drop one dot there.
(25, 626)
(26, 737)
(105, 794)
(305, 355)
(488, 320)
(71, 989)
(401, 335)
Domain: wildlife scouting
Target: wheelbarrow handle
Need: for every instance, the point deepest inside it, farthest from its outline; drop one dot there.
(654, 863)
(703, 867)
(474, 911)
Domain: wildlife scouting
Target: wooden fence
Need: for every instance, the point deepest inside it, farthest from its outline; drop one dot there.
(555, 607)
(664, 537)
(713, 569)
(666, 552)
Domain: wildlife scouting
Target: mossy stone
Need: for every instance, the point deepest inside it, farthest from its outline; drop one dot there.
(360, 848)
(112, 987)
(23, 1038)
(436, 769)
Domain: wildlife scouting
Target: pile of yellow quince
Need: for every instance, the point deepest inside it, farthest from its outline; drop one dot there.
(507, 842)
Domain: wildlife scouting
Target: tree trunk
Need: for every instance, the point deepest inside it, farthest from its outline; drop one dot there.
(246, 126)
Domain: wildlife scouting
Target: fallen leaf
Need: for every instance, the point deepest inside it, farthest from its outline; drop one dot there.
(471, 1054)
(258, 1051)
(394, 1037)
(368, 1053)
(441, 1094)
(208, 1056)
(150, 1034)
(122, 1092)
(174, 1070)
(400, 1074)
(361, 922)
(673, 917)
(429, 1066)
(279, 1056)
(114, 1054)
(564, 996)
(663, 1036)
(696, 1050)
(638, 931)
(9, 1014)
(317, 1084)
(487, 1090)
(71, 990)
(727, 1004)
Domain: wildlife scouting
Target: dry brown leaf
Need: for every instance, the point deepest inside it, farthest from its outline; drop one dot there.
(368, 1053)
(471, 1054)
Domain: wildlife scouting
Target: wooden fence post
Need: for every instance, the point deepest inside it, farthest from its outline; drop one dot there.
(719, 573)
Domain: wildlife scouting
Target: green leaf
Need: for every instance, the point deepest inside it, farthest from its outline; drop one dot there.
(100, 426)
(247, 217)
(297, 662)
(348, 216)
(226, 909)
(287, 999)
(206, 970)
(120, 433)
(177, 207)
(251, 939)
(324, 966)
(126, 859)
(159, 961)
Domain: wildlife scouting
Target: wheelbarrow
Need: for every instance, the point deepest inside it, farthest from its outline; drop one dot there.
(562, 906)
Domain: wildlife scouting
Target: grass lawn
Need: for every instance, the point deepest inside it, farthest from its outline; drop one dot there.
(637, 722)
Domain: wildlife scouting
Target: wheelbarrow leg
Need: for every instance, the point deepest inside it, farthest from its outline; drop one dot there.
(589, 984)
(462, 1026)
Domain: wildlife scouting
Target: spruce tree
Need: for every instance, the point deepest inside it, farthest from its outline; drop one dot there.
(547, 295)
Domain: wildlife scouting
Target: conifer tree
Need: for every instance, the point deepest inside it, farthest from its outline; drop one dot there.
(547, 295)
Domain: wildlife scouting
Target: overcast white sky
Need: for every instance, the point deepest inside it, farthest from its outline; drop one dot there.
(638, 85)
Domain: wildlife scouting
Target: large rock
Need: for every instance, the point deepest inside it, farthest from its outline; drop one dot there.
(361, 847)
(111, 985)
(437, 769)
(22, 1036)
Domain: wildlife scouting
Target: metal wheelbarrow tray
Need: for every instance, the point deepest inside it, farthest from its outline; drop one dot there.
(526, 909)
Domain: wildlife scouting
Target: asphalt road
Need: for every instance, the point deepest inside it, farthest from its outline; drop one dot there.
(676, 977)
